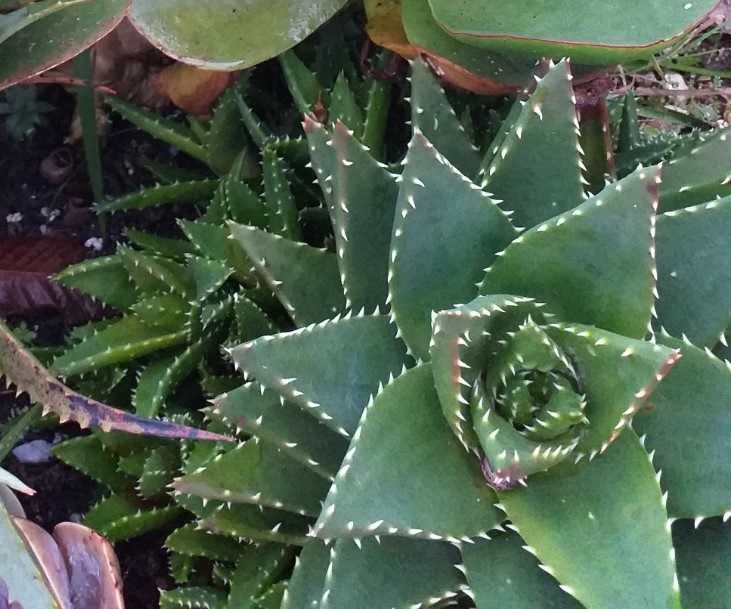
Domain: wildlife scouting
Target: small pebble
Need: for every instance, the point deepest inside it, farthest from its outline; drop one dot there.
(37, 451)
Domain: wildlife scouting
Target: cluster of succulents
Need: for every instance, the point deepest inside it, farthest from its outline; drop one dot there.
(482, 377)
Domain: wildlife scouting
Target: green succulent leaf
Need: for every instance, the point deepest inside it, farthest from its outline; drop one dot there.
(363, 577)
(159, 469)
(263, 413)
(103, 278)
(432, 115)
(622, 31)
(281, 205)
(446, 231)
(305, 279)
(694, 302)
(259, 474)
(501, 573)
(588, 519)
(604, 243)
(198, 597)
(695, 398)
(161, 194)
(536, 168)
(176, 249)
(256, 571)
(364, 200)
(191, 541)
(334, 389)
(88, 455)
(702, 558)
(699, 176)
(119, 517)
(123, 341)
(386, 483)
(308, 577)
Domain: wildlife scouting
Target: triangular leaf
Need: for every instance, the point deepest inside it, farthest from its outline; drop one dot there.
(308, 578)
(689, 426)
(304, 278)
(259, 412)
(598, 517)
(384, 487)
(396, 573)
(446, 231)
(364, 203)
(282, 208)
(537, 168)
(432, 115)
(259, 474)
(502, 574)
(362, 352)
(602, 250)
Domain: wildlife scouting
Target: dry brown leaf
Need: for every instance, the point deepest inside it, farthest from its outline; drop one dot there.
(191, 89)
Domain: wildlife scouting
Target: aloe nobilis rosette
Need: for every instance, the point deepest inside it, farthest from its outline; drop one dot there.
(489, 413)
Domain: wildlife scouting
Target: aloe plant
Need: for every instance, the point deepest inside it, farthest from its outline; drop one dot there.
(518, 396)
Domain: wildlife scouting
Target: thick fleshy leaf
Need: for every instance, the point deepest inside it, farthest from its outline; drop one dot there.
(396, 573)
(20, 571)
(104, 278)
(305, 279)
(263, 413)
(462, 65)
(308, 578)
(602, 250)
(387, 481)
(446, 231)
(322, 155)
(257, 473)
(502, 574)
(281, 205)
(365, 195)
(620, 31)
(249, 521)
(699, 176)
(432, 114)
(230, 34)
(703, 559)
(536, 168)
(362, 353)
(40, 46)
(694, 301)
(617, 375)
(597, 517)
(256, 570)
(689, 428)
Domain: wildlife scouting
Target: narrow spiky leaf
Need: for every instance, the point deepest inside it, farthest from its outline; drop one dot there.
(304, 278)
(536, 169)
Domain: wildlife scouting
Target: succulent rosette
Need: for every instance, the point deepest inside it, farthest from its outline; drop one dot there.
(489, 412)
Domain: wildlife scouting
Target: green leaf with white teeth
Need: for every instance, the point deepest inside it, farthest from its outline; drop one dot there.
(695, 398)
(536, 169)
(305, 279)
(694, 302)
(385, 488)
(393, 574)
(334, 389)
(604, 243)
(445, 231)
(581, 530)
(364, 197)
